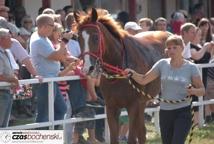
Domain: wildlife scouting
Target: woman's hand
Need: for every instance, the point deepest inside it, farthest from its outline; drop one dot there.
(195, 91)
(209, 47)
(212, 48)
(72, 66)
(129, 72)
(190, 90)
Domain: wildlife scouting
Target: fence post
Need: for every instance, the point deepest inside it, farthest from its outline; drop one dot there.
(201, 107)
(51, 103)
(156, 119)
(107, 132)
(201, 112)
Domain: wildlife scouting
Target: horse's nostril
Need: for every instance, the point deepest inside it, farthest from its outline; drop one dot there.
(91, 68)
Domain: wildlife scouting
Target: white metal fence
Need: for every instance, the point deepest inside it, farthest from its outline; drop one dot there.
(51, 121)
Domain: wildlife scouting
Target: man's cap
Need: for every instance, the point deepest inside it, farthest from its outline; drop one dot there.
(132, 25)
(4, 32)
(4, 8)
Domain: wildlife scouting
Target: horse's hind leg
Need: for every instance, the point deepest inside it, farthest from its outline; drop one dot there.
(113, 116)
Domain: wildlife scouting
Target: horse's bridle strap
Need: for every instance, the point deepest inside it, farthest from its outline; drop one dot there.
(101, 46)
(101, 50)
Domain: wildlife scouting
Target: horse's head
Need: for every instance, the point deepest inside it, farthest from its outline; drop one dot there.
(97, 33)
(90, 39)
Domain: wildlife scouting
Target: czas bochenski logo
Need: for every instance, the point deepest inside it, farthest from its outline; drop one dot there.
(5, 137)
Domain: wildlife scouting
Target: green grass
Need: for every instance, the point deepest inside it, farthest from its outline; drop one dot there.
(204, 135)
(22, 121)
(152, 136)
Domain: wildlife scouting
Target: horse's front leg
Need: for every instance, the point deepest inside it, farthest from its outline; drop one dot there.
(137, 128)
(113, 117)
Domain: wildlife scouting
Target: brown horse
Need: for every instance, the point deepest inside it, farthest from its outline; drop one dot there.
(103, 41)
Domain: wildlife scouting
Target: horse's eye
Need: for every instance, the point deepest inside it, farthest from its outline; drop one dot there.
(94, 38)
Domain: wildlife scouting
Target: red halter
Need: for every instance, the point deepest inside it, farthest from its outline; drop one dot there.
(101, 50)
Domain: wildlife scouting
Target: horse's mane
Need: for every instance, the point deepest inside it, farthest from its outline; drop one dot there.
(113, 26)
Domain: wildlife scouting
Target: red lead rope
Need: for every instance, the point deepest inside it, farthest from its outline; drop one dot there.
(106, 66)
(114, 69)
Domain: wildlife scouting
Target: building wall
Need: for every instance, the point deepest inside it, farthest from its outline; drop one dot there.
(155, 9)
(170, 8)
(144, 8)
(59, 4)
(32, 7)
(114, 6)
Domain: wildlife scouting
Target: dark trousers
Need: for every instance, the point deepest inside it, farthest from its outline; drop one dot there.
(175, 125)
(100, 123)
(100, 126)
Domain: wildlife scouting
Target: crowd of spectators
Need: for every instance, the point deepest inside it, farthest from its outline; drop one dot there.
(42, 48)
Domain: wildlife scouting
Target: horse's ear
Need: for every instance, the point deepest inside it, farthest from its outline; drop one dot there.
(94, 15)
(77, 16)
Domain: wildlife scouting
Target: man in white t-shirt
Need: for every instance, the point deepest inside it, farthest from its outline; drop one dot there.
(186, 52)
(188, 31)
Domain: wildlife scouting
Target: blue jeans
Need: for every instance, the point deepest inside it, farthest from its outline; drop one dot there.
(77, 95)
(60, 108)
(6, 101)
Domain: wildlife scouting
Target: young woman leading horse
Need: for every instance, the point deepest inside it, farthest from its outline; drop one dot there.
(179, 78)
(105, 45)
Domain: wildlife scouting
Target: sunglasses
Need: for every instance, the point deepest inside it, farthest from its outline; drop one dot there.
(28, 22)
